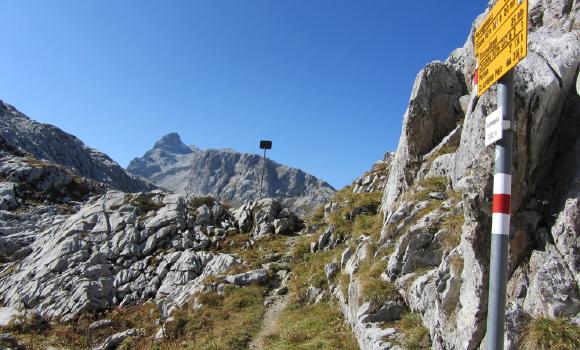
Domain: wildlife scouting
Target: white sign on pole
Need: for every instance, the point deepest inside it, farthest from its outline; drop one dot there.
(494, 127)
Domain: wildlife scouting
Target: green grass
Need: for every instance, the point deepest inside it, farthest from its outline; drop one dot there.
(309, 271)
(228, 322)
(317, 217)
(416, 336)
(453, 226)
(381, 169)
(368, 225)
(429, 184)
(546, 333)
(306, 327)
(255, 256)
(373, 289)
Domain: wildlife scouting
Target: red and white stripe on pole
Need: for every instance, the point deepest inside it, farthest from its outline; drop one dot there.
(501, 209)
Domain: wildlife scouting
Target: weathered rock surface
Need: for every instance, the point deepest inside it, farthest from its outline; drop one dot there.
(118, 249)
(47, 142)
(227, 175)
(44, 194)
(266, 217)
(116, 339)
(544, 259)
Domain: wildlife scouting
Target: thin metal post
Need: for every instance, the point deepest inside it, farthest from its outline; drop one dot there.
(263, 169)
(496, 305)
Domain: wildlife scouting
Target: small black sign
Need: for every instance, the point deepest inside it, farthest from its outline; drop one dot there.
(266, 144)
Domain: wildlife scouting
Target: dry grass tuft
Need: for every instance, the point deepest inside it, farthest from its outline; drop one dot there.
(556, 334)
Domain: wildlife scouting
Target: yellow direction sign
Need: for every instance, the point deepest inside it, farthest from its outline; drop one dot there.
(501, 41)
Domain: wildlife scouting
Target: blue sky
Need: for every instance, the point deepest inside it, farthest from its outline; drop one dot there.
(327, 80)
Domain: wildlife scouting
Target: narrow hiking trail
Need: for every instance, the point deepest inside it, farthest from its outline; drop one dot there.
(275, 305)
(269, 323)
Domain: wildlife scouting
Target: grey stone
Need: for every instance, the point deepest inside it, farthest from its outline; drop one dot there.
(246, 278)
(331, 270)
(100, 324)
(116, 339)
(553, 290)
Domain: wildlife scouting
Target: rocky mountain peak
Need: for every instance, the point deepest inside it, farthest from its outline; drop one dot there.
(227, 175)
(172, 143)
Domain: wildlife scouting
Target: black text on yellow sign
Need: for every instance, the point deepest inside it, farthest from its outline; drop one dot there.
(501, 41)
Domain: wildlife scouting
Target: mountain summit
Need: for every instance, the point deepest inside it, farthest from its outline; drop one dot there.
(172, 144)
(228, 175)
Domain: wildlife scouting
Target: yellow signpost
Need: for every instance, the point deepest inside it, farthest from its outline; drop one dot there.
(501, 41)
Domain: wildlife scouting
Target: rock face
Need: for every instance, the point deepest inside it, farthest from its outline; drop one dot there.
(227, 175)
(119, 249)
(44, 193)
(442, 143)
(266, 217)
(47, 142)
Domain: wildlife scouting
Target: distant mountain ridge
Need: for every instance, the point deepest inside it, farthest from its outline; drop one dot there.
(226, 174)
(47, 142)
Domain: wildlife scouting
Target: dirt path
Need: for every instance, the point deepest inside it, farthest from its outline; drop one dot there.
(274, 308)
(270, 321)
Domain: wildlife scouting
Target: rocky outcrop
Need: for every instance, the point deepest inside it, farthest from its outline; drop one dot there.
(450, 291)
(34, 195)
(266, 217)
(47, 142)
(227, 175)
(376, 178)
(119, 249)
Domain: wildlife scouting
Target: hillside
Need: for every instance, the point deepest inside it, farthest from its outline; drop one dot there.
(50, 143)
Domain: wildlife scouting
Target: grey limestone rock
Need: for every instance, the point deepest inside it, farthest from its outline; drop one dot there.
(100, 324)
(247, 278)
(89, 261)
(113, 341)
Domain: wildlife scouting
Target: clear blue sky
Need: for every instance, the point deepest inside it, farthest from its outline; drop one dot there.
(327, 80)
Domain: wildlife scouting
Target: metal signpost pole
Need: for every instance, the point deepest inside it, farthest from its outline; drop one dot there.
(501, 217)
(500, 44)
(263, 169)
(265, 145)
